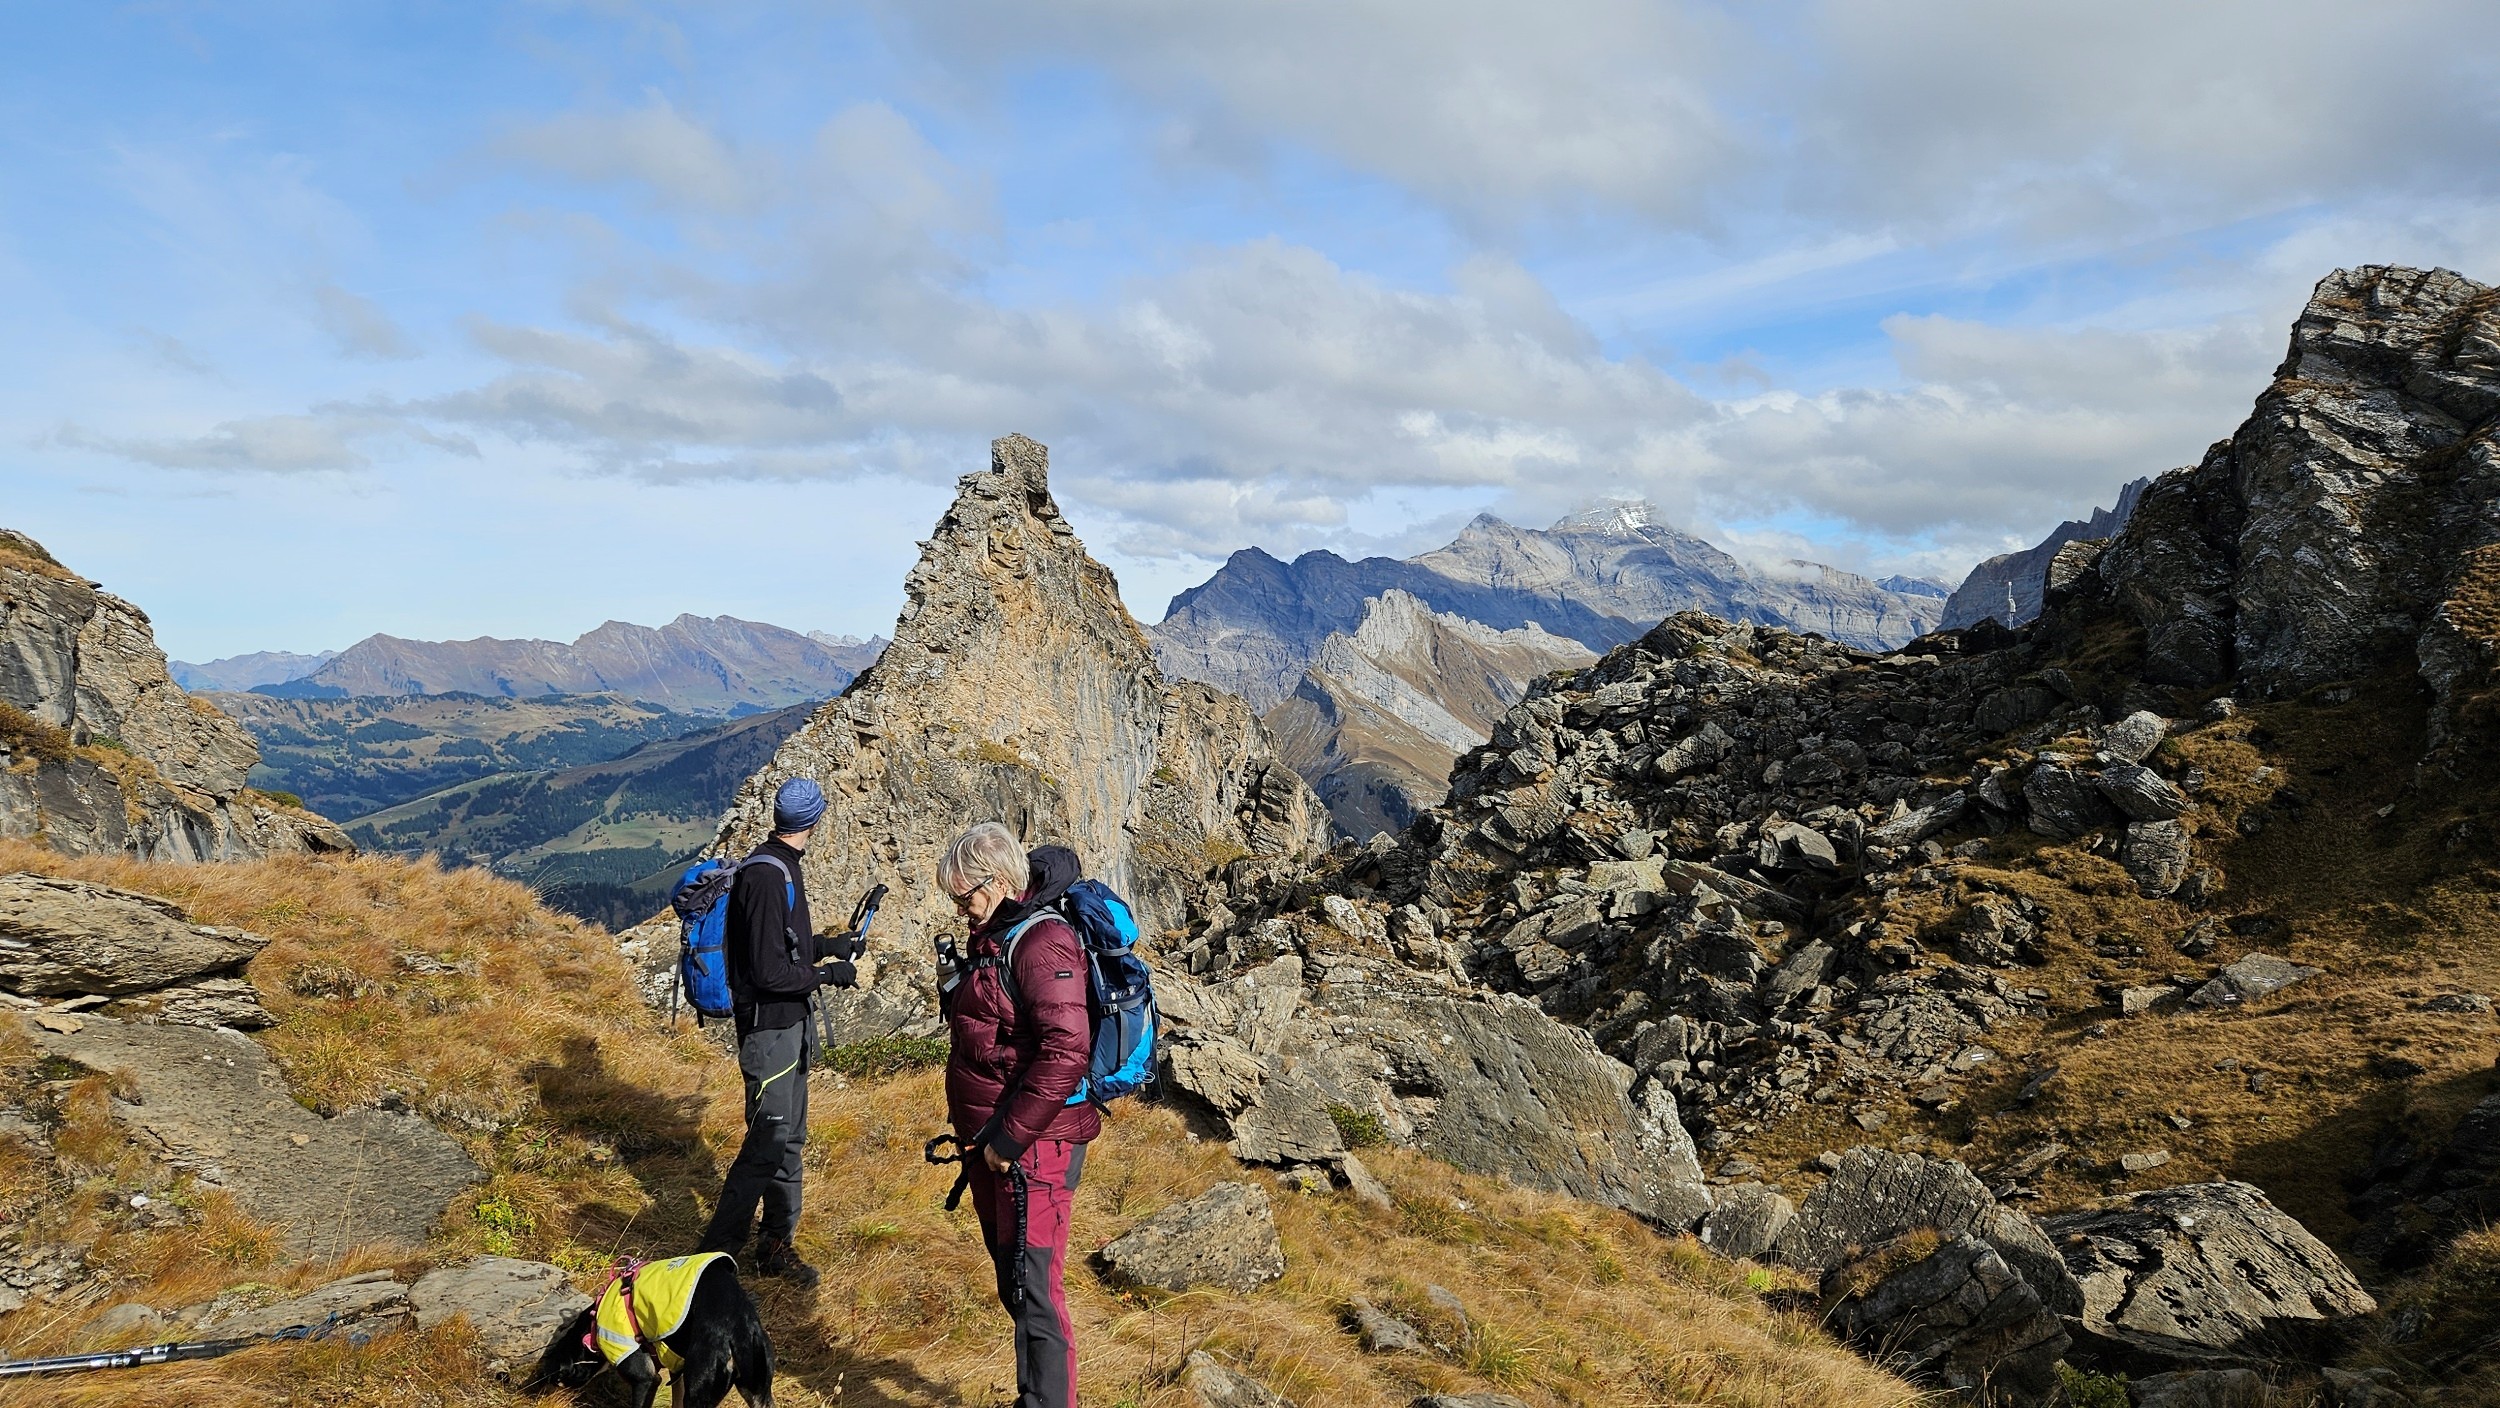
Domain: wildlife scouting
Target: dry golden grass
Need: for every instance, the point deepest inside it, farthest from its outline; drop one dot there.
(41, 566)
(604, 1134)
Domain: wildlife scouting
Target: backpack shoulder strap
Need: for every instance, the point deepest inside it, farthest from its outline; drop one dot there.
(1006, 960)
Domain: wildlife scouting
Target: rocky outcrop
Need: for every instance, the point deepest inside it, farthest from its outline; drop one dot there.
(2348, 522)
(513, 1307)
(2203, 1273)
(212, 1103)
(2008, 588)
(1225, 1238)
(2419, 1193)
(66, 939)
(1951, 1312)
(100, 751)
(1376, 721)
(1018, 689)
(1600, 578)
(1301, 1059)
(1877, 1195)
(694, 664)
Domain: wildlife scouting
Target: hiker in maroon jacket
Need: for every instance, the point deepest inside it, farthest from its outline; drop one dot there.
(1022, 1045)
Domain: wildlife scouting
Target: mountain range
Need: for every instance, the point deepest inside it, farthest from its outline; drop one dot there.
(1378, 718)
(603, 840)
(1600, 578)
(694, 664)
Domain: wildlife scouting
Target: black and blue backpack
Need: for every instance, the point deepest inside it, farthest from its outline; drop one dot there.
(701, 900)
(1119, 988)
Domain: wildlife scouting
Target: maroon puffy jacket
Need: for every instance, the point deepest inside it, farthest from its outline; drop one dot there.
(1037, 1043)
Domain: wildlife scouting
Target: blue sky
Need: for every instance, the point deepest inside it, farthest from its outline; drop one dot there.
(448, 320)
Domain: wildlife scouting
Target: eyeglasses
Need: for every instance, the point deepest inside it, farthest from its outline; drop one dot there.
(963, 902)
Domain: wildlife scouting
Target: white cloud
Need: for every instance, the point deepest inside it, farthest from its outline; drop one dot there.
(679, 161)
(359, 325)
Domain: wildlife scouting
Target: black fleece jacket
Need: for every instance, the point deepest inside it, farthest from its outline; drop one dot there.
(773, 947)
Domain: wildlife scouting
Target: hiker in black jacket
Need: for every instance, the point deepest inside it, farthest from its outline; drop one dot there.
(773, 954)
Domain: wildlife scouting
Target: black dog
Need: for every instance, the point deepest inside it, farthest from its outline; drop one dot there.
(719, 1345)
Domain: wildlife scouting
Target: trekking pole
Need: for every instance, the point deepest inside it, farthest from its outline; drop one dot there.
(160, 1353)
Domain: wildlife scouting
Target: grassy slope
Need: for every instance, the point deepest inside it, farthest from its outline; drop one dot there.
(518, 1030)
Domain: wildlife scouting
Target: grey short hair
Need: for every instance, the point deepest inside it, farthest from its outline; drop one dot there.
(986, 852)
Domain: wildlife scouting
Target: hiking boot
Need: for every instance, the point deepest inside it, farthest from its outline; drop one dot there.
(777, 1258)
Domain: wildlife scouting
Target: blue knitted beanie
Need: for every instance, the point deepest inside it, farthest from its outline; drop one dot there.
(797, 805)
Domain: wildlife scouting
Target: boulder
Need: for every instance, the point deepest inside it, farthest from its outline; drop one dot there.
(1919, 823)
(514, 1306)
(2143, 794)
(2202, 1273)
(1789, 846)
(1876, 1195)
(1383, 1333)
(1211, 1385)
(2156, 856)
(1224, 1238)
(1746, 1220)
(1957, 1316)
(2064, 803)
(211, 1102)
(2256, 976)
(65, 937)
(2132, 739)
(1490, 1084)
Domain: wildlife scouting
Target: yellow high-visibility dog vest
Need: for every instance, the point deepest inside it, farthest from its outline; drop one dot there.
(661, 1293)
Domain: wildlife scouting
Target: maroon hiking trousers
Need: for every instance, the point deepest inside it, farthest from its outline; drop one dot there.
(1029, 1276)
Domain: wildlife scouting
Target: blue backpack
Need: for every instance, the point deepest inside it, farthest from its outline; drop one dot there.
(1119, 989)
(701, 899)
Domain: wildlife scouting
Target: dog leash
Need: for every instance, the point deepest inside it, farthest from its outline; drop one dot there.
(964, 1154)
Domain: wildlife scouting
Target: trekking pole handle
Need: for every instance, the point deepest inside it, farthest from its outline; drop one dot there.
(865, 913)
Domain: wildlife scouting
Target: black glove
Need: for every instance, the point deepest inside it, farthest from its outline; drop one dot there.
(844, 945)
(839, 973)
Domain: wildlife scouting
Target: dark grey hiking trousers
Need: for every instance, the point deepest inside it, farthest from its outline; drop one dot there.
(767, 1168)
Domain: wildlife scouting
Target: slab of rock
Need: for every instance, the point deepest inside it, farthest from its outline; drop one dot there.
(2202, 1273)
(2135, 1002)
(2143, 794)
(1490, 1084)
(1917, 825)
(213, 1103)
(1225, 1238)
(1879, 1194)
(1747, 1220)
(515, 1306)
(1211, 1385)
(62, 937)
(2201, 1388)
(375, 1302)
(2256, 976)
(1958, 1316)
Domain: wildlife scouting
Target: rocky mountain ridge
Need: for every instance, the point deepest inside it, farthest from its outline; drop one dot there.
(1601, 578)
(694, 664)
(104, 752)
(2192, 878)
(2007, 587)
(1376, 720)
(1017, 688)
(241, 672)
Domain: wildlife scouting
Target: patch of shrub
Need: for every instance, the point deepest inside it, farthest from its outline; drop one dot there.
(2082, 1390)
(886, 1056)
(24, 733)
(1360, 1129)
